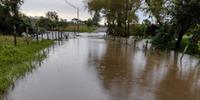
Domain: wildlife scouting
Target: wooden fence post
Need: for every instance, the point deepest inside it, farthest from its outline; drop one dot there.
(47, 35)
(52, 36)
(42, 36)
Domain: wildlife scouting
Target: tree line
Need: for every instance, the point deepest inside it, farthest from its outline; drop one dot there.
(11, 18)
(168, 23)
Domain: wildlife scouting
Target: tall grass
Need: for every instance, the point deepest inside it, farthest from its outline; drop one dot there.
(82, 28)
(15, 60)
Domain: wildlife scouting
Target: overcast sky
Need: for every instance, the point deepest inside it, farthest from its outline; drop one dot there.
(40, 7)
(65, 11)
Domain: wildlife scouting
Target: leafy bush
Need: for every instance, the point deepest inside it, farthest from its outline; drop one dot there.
(194, 40)
(139, 30)
(151, 30)
(163, 39)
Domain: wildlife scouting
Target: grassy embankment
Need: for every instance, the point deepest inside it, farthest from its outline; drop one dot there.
(16, 61)
(82, 28)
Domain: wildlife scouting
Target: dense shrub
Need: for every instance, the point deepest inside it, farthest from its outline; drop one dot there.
(139, 30)
(163, 39)
(194, 40)
(151, 30)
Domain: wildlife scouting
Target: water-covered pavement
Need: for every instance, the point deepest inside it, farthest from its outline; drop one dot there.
(92, 68)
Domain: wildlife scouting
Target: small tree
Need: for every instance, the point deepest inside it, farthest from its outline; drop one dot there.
(53, 16)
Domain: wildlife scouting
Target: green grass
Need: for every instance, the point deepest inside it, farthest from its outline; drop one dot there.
(16, 61)
(82, 28)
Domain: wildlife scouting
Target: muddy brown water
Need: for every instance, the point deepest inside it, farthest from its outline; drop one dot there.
(89, 68)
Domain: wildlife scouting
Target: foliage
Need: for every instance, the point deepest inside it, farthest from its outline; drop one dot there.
(10, 15)
(53, 18)
(62, 23)
(118, 13)
(179, 14)
(152, 30)
(82, 28)
(185, 13)
(92, 22)
(44, 23)
(96, 19)
(15, 61)
(158, 9)
(89, 22)
(52, 15)
(51, 22)
(139, 30)
(193, 41)
(163, 40)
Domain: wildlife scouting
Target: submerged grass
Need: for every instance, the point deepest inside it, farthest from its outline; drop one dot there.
(16, 60)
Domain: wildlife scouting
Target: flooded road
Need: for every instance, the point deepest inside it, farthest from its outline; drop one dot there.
(89, 68)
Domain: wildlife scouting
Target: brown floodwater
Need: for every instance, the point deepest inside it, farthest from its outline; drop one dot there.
(89, 68)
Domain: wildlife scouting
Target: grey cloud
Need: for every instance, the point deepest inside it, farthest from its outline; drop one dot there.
(40, 7)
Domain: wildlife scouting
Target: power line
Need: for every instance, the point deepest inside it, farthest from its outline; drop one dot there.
(77, 8)
(73, 6)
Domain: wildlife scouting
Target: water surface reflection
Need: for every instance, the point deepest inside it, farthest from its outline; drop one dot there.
(134, 73)
(97, 69)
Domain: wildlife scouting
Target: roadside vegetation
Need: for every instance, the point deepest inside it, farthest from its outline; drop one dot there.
(11, 18)
(18, 54)
(82, 28)
(15, 61)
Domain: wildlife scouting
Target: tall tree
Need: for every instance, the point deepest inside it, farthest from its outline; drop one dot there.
(44, 23)
(9, 10)
(185, 13)
(53, 17)
(118, 14)
(181, 14)
(157, 9)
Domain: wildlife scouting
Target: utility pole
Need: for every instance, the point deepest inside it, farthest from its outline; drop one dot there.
(78, 20)
(15, 35)
(27, 37)
(78, 15)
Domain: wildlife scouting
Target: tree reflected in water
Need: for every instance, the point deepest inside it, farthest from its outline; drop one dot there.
(136, 73)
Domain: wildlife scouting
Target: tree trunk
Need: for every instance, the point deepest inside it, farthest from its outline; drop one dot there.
(180, 37)
(178, 43)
